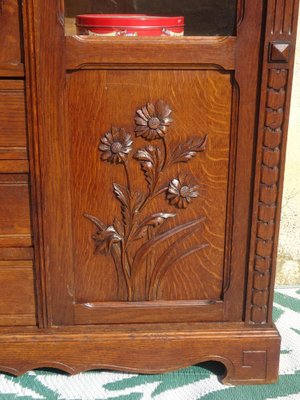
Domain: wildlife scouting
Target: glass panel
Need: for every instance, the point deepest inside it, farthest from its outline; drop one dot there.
(202, 17)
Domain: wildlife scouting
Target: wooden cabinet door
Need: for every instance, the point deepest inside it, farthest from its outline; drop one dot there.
(145, 163)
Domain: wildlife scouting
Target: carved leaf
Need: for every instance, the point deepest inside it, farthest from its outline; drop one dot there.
(123, 195)
(144, 250)
(99, 224)
(154, 220)
(151, 164)
(118, 227)
(137, 200)
(184, 152)
(160, 272)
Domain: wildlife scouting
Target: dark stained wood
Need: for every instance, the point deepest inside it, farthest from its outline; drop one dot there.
(15, 229)
(84, 52)
(101, 302)
(11, 58)
(17, 304)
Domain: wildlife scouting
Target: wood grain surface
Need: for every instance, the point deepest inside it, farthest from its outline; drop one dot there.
(11, 57)
(15, 224)
(229, 93)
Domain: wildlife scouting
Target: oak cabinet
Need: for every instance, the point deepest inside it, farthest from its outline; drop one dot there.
(146, 237)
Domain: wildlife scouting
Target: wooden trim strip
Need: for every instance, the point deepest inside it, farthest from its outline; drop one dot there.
(12, 70)
(13, 153)
(17, 320)
(18, 240)
(16, 253)
(14, 166)
(149, 312)
(85, 52)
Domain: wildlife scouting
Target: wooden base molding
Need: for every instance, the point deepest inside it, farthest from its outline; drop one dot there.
(249, 355)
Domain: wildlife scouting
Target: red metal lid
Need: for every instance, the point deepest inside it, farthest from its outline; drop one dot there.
(127, 20)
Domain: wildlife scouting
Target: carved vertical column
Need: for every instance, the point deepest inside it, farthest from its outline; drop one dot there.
(277, 74)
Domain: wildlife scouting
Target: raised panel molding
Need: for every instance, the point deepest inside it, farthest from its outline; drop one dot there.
(275, 101)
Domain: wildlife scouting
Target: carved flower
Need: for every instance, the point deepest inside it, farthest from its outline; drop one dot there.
(180, 193)
(105, 239)
(115, 145)
(153, 120)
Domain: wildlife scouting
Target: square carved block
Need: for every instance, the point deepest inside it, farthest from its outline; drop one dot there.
(279, 52)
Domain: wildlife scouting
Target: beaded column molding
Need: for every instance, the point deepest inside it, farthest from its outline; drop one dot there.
(275, 102)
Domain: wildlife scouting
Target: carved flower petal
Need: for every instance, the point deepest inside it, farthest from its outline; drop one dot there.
(104, 147)
(174, 201)
(167, 121)
(141, 128)
(105, 156)
(194, 193)
(173, 192)
(127, 140)
(122, 134)
(151, 110)
(115, 132)
(181, 203)
(153, 133)
(162, 109)
(116, 158)
(161, 132)
(145, 113)
(140, 121)
(163, 128)
(175, 183)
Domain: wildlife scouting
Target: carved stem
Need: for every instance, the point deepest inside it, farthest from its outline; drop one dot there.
(122, 285)
(126, 273)
(166, 153)
(127, 175)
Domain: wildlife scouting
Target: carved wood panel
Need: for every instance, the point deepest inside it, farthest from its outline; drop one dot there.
(117, 240)
(277, 75)
(161, 158)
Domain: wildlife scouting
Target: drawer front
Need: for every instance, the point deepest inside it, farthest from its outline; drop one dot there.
(15, 229)
(10, 51)
(13, 143)
(17, 302)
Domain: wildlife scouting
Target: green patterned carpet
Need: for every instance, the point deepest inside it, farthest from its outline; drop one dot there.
(189, 384)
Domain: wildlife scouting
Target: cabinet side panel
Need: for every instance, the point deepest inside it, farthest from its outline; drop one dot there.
(277, 72)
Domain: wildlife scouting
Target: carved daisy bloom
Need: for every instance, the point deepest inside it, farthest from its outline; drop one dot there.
(180, 193)
(115, 146)
(153, 121)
